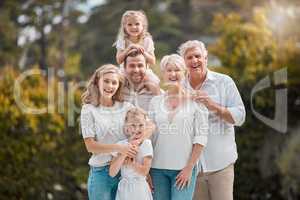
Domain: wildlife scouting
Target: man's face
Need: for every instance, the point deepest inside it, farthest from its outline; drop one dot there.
(195, 61)
(135, 69)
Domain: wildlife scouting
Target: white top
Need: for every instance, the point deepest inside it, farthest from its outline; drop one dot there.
(220, 150)
(145, 149)
(173, 140)
(147, 43)
(105, 124)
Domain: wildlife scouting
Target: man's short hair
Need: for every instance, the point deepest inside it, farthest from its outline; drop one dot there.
(133, 54)
(190, 44)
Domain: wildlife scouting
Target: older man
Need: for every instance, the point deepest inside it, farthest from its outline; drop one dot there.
(138, 89)
(220, 95)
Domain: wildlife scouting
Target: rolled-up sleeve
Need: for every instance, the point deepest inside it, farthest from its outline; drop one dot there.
(200, 125)
(87, 122)
(234, 103)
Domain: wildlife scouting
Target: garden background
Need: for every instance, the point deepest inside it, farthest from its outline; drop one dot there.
(48, 49)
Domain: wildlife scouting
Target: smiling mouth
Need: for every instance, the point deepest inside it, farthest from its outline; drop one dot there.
(108, 91)
(173, 79)
(196, 66)
(137, 76)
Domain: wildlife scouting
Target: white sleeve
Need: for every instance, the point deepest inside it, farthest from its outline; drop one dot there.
(146, 148)
(120, 45)
(200, 125)
(234, 103)
(87, 122)
(149, 44)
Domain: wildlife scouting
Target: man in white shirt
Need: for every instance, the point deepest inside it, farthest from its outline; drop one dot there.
(220, 95)
(138, 88)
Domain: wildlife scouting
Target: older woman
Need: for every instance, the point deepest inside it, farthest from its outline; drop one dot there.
(180, 136)
(102, 119)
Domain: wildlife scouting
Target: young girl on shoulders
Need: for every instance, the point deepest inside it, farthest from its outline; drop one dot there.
(133, 184)
(134, 36)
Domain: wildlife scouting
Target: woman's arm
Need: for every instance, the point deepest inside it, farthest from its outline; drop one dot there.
(93, 146)
(116, 164)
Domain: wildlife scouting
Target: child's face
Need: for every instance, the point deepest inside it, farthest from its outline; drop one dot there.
(134, 26)
(135, 127)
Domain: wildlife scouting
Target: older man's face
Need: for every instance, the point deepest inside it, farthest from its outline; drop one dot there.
(135, 69)
(195, 61)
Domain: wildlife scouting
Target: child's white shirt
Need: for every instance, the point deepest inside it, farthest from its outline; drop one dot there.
(147, 43)
(133, 185)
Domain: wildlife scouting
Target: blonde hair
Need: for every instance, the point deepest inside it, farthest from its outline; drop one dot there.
(134, 113)
(191, 44)
(173, 59)
(122, 35)
(92, 94)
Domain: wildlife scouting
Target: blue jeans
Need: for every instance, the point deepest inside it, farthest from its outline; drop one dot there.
(165, 188)
(100, 185)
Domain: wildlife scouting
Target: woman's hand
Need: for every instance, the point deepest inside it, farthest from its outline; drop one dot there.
(184, 177)
(129, 150)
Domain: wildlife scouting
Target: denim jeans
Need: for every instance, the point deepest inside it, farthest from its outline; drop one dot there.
(165, 188)
(100, 185)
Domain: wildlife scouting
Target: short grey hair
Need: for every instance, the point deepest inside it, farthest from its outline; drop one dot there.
(173, 59)
(190, 44)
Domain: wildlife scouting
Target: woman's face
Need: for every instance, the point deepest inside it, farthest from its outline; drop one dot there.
(173, 74)
(108, 85)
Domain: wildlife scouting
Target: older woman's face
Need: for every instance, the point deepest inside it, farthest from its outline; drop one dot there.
(173, 74)
(108, 85)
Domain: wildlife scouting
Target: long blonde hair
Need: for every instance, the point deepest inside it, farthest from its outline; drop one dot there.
(122, 35)
(92, 94)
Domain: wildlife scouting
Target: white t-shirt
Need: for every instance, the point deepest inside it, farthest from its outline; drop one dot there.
(145, 149)
(104, 124)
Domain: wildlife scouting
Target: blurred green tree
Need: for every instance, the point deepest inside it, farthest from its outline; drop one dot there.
(40, 155)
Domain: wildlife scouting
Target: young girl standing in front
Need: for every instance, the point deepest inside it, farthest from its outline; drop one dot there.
(134, 36)
(133, 184)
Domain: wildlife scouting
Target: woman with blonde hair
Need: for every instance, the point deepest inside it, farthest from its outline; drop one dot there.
(102, 120)
(182, 127)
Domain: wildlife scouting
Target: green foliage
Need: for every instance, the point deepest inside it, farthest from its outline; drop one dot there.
(249, 51)
(289, 166)
(37, 151)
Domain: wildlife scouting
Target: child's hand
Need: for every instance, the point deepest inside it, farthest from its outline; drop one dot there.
(136, 47)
